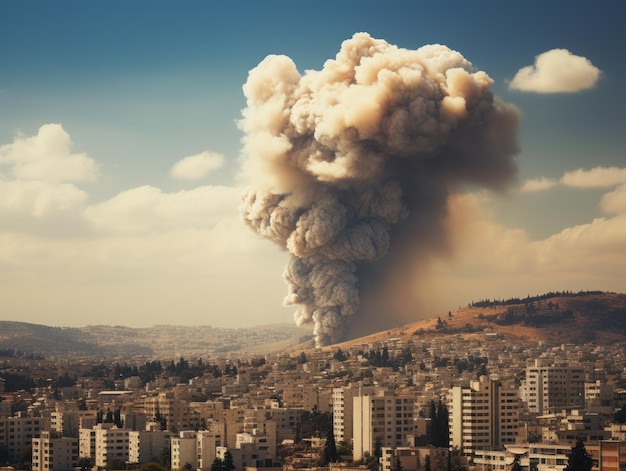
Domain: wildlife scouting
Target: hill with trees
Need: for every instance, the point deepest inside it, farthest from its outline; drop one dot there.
(559, 317)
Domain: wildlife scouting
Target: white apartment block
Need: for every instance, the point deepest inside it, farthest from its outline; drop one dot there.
(197, 448)
(207, 442)
(87, 440)
(343, 410)
(144, 445)
(484, 415)
(532, 456)
(112, 447)
(67, 422)
(52, 452)
(551, 387)
(385, 418)
(249, 452)
(184, 450)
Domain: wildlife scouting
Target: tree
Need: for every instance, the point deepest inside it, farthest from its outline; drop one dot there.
(314, 423)
(427, 463)
(344, 448)
(370, 461)
(165, 457)
(339, 355)
(228, 464)
(516, 465)
(330, 449)
(85, 463)
(457, 460)
(439, 431)
(378, 449)
(443, 417)
(578, 459)
(397, 466)
(217, 465)
(4, 455)
(187, 467)
(25, 457)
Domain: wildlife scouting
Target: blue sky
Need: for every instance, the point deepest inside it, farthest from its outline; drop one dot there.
(133, 88)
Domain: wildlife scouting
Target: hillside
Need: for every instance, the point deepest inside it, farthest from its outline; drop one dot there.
(160, 342)
(585, 317)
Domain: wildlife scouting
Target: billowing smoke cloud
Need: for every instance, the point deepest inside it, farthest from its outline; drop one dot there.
(351, 166)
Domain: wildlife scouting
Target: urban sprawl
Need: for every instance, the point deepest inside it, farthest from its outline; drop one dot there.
(413, 404)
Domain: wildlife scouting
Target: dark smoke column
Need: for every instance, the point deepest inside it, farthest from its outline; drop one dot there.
(346, 163)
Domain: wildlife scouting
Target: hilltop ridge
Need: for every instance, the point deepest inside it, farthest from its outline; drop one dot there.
(566, 317)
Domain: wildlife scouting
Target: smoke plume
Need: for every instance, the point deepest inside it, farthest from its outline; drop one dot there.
(351, 167)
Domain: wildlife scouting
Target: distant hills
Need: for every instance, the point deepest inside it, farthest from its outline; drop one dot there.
(583, 317)
(160, 342)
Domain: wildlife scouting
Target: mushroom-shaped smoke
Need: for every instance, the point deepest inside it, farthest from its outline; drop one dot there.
(349, 161)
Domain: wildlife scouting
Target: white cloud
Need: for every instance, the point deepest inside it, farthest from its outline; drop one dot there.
(615, 201)
(47, 157)
(556, 71)
(598, 177)
(491, 260)
(148, 209)
(197, 166)
(223, 276)
(39, 199)
(143, 256)
(538, 184)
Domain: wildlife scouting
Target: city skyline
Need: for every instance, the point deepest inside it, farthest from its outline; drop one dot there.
(120, 155)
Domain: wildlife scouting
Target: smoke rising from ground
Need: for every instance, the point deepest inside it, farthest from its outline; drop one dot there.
(351, 168)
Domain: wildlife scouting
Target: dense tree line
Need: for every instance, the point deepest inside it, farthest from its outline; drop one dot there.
(16, 382)
(381, 358)
(530, 299)
(314, 423)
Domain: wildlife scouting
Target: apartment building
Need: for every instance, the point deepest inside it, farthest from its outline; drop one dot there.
(550, 387)
(67, 419)
(144, 445)
(53, 452)
(342, 400)
(484, 415)
(111, 447)
(385, 419)
(287, 422)
(251, 451)
(184, 450)
(207, 442)
(16, 433)
(599, 397)
(173, 408)
(408, 458)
